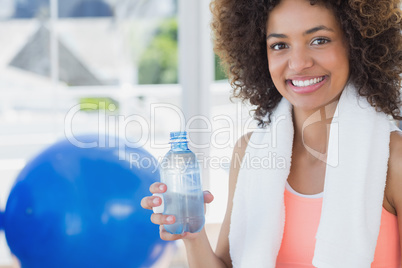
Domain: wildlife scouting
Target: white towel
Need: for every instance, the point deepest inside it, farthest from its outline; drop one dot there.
(355, 178)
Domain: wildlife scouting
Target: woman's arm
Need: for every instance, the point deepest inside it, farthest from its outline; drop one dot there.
(394, 178)
(199, 251)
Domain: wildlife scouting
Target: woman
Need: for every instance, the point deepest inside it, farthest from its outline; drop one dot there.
(321, 61)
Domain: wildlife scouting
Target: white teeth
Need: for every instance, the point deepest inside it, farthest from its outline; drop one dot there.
(305, 83)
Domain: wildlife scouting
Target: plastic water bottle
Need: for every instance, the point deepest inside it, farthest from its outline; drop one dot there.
(184, 196)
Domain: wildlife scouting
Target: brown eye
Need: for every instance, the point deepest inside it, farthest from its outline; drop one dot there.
(278, 46)
(320, 41)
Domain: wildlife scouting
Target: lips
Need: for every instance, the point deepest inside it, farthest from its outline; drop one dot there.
(306, 84)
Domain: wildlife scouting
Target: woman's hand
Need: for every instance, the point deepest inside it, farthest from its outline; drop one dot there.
(149, 202)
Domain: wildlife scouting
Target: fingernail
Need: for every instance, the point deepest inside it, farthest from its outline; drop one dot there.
(161, 187)
(169, 218)
(156, 201)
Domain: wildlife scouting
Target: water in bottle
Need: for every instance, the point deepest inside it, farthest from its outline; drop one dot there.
(184, 196)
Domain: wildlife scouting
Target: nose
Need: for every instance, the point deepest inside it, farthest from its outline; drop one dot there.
(300, 59)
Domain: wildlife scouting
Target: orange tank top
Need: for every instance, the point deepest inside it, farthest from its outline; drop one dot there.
(302, 219)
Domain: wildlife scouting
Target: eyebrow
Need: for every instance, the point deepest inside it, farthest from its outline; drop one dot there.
(309, 31)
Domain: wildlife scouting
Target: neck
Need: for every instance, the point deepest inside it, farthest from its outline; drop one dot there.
(312, 131)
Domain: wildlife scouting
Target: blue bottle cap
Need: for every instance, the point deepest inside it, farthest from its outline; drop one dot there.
(178, 135)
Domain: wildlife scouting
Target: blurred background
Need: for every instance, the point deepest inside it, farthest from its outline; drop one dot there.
(134, 68)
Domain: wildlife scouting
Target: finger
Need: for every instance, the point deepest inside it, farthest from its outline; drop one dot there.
(208, 197)
(149, 202)
(157, 187)
(160, 219)
(165, 235)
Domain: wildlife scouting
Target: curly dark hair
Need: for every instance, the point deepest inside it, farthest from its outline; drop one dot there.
(372, 29)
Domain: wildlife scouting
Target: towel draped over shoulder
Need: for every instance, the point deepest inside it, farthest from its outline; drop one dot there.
(356, 170)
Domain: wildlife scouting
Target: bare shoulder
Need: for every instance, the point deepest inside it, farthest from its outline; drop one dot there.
(394, 176)
(240, 148)
(237, 157)
(222, 249)
(241, 143)
(396, 139)
(395, 155)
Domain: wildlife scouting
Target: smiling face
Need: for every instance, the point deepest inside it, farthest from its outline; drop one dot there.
(307, 54)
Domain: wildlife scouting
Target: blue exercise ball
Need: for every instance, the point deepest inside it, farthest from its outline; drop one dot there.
(80, 207)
